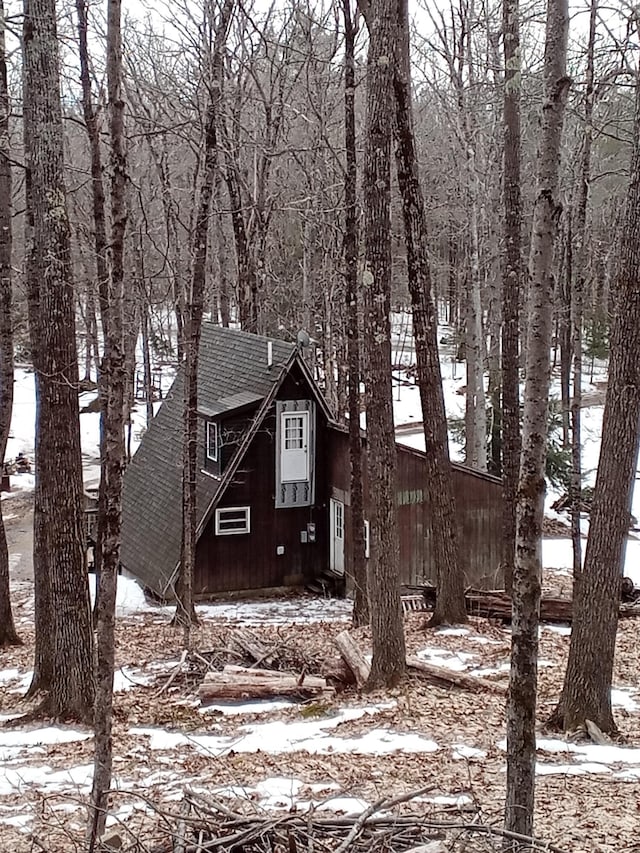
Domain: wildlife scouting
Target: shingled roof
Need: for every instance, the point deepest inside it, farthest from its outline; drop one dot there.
(233, 372)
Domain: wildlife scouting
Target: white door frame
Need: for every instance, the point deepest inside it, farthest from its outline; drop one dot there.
(336, 536)
(294, 447)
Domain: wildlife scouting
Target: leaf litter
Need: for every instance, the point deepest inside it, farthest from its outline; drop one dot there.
(335, 757)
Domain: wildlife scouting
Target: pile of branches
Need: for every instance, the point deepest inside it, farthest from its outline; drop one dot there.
(206, 825)
(244, 647)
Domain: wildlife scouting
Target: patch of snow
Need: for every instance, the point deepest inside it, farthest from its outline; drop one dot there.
(285, 736)
(452, 632)
(563, 630)
(14, 741)
(129, 596)
(457, 800)
(126, 678)
(623, 699)
(456, 661)
(19, 820)
(570, 769)
(344, 805)
(278, 792)
(462, 751)
(600, 754)
(259, 707)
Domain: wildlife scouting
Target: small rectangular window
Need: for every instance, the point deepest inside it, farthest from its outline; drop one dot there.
(212, 441)
(367, 539)
(231, 520)
(294, 431)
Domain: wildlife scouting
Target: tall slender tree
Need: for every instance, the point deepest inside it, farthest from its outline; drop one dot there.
(8, 633)
(587, 684)
(112, 380)
(521, 704)
(512, 282)
(450, 602)
(361, 614)
(185, 611)
(387, 628)
(59, 467)
(579, 232)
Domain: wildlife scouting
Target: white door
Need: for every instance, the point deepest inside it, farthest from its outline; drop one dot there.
(336, 536)
(294, 447)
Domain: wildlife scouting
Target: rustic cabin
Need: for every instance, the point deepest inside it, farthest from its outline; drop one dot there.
(273, 484)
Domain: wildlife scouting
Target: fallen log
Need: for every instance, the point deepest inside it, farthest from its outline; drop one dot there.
(353, 657)
(239, 683)
(439, 675)
(496, 604)
(252, 646)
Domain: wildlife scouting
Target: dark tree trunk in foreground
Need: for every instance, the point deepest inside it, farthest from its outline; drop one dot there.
(511, 285)
(450, 604)
(8, 634)
(387, 628)
(59, 470)
(521, 705)
(185, 612)
(587, 685)
(43, 651)
(112, 393)
(361, 613)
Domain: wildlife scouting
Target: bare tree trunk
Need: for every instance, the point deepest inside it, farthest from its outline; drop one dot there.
(521, 706)
(43, 651)
(587, 685)
(387, 628)
(224, 303)
(361, 614)
(112, 392)
(511, 285)
(8, 633)
(60, 470)
(185, 612)
(577, 297)
(476, 406)
(450, 603)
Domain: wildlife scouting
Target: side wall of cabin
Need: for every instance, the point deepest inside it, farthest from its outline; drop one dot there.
(479, 507)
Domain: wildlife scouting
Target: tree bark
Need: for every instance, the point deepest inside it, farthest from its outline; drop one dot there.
(361, 613)
(577, 296)
(112, 383)
(8, 633)
(387, 628)
(59, 471)
(185, 611)
(521, 706)
(450, 606)
(511, 285)
(587, 684)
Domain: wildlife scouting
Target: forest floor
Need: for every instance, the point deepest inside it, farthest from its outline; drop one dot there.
(338, 755)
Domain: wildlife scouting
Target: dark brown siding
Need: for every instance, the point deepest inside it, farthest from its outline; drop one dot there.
(479, 507)
(250, 561)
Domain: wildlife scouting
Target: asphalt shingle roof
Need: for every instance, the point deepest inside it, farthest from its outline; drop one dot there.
(233, 372)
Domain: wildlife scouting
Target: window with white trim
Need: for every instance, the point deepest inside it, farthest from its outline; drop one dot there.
(212, 441)
(231, 520)
(367, 539)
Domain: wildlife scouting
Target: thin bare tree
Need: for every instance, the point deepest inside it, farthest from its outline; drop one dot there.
(521, 705)
(8, 633)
